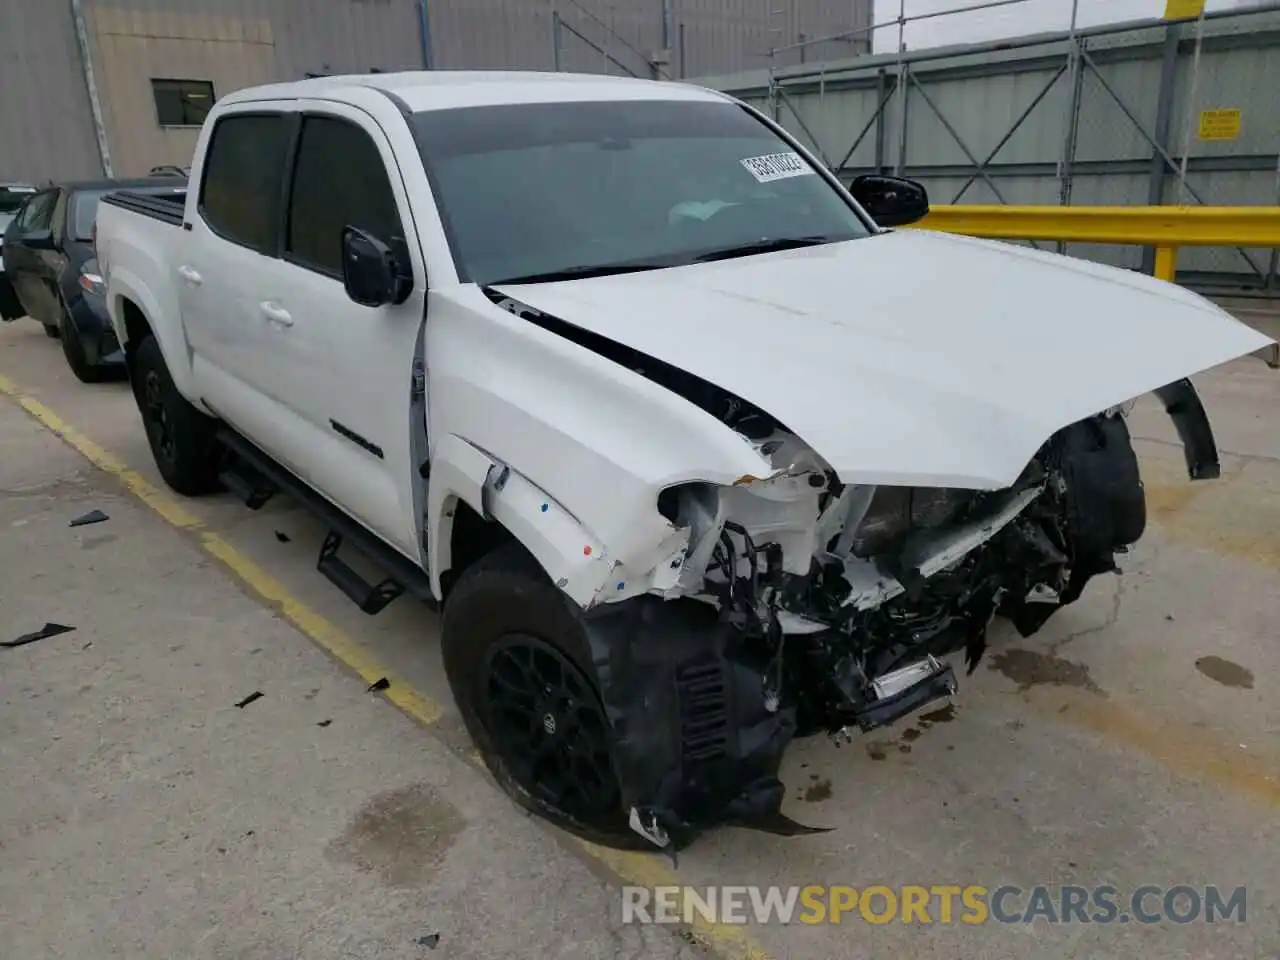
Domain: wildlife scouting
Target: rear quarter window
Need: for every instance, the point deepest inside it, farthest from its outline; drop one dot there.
(243, 177)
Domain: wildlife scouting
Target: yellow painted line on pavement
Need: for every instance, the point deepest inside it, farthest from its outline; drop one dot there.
(636, 869)
(320, 630)
(172, 511)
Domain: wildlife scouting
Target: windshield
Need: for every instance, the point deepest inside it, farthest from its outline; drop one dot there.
(84, 206)
(11, 199)
(556, 190)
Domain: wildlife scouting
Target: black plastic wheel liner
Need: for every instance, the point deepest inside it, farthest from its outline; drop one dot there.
(1183, 405)
(695, 744)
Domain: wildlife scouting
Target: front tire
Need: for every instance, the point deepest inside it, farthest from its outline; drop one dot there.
(182, 439)
(517, 660)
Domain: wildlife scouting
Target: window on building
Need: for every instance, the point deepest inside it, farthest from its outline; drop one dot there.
(182, 103)
(339, 180)
(242, 180)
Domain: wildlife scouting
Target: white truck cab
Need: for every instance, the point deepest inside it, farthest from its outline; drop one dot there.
(697, 452)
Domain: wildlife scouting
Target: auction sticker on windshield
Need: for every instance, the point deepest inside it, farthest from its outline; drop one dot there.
(777, 166)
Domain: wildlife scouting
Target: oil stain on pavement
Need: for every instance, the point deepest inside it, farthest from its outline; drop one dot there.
(401, 835)
(1225, 672)
(1028, 668)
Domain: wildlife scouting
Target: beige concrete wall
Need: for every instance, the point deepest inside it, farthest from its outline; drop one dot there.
(134, 46)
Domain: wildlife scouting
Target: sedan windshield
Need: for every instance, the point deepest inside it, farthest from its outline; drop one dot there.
(551, 191)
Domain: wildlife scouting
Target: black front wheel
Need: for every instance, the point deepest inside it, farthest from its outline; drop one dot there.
(517, 661)
(182, 438)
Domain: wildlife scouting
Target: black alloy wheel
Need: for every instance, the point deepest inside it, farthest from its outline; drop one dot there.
(549, 727)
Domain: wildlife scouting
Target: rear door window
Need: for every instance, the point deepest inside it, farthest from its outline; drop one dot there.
(339, 180)
(243, 177)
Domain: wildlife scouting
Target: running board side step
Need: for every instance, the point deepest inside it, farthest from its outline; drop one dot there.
(368, 597)
(247, 483)
(403, 575)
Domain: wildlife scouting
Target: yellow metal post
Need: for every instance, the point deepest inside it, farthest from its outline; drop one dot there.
(1166, 263)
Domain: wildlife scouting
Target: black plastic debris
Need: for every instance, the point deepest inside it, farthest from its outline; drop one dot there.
(256, 695)
(282, 537)
(431, 940)
(48, 630)
(380, 684)
(93, 516)
(324, 723)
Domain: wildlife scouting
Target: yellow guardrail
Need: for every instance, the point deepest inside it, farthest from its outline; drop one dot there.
(1165, 228)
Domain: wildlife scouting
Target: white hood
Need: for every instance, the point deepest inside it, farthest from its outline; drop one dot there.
(912, 358)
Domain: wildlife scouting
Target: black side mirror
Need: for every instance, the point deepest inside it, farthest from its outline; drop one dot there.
(371, 271)
(38, 240)
(891, 201)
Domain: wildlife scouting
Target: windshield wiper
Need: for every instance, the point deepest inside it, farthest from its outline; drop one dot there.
(581, 273)
(770, 245)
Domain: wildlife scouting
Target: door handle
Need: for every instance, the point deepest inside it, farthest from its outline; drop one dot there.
(189, 275)
(276, 313)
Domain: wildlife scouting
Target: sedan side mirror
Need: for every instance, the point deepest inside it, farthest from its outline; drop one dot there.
(891, 201)
(38, 240)
(371, 272)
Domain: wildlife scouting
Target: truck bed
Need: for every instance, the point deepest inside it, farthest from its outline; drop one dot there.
(167, 208)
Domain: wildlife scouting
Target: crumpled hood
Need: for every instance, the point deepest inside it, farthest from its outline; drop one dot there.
(912, 357)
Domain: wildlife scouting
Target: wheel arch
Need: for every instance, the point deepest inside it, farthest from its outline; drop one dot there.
(476, 502)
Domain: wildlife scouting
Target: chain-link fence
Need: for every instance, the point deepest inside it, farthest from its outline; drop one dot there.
(1156, 112)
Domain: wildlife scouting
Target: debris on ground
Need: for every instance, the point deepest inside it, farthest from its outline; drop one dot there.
(430, 940)
(48, 630)
(282, 537)
(256, 695)
(93, 516)
(380, 684)
(324, 723)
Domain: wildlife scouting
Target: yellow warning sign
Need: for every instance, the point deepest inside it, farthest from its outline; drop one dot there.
(1183, 9)
(1219, 124)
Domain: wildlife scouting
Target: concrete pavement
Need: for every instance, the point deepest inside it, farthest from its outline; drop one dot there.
(1133, 742)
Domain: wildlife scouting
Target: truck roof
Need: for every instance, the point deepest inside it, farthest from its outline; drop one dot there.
(445, 89)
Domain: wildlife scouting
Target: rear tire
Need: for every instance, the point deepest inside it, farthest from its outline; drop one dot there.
(518, 663)
(73, 350)
(182, 439)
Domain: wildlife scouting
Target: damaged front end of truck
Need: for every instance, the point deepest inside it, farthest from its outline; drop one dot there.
(803, 605)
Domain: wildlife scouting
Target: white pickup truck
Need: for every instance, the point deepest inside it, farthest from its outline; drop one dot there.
(696, 452)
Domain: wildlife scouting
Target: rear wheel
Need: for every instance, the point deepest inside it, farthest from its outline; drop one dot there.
(182, 438)
(517, 661)
(73, 350)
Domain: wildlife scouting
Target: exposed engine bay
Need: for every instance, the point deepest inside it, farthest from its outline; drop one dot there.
(804, 605)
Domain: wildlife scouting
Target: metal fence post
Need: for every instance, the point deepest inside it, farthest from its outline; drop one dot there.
(1164, 119)
(555, 39)
(882, 84)
(903, 88)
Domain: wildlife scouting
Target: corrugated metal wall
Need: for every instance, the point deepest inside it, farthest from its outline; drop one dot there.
(234, 44)
(623, 36)
(46, 128)
(963, 137)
